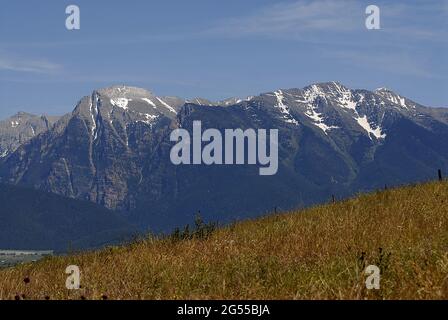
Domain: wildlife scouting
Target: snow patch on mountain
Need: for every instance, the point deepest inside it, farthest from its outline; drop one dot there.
(319, 120)
(149, 101)
(94, 114)
(336, 94)
(149, 118)
(230, 101)
(116, 92)
(309, 96)
(364, 122)
(345, 97)
(393, 97)
(93, 129)
(120, 102)
(284, 109)
(311, 93)
(170, 108)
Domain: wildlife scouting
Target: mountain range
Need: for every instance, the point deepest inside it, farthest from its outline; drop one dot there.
(113, 150)
(20, 128)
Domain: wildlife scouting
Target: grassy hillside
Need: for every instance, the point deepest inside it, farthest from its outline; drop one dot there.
(318, 253)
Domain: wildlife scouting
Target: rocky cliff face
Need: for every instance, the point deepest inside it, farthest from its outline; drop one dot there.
(96, 152)
(20, 128)
(113, 149)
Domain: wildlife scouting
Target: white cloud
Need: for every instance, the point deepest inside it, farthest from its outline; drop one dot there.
(292, 19)
(416, 21)
(28, 65)
(390, 62)
(341, 21)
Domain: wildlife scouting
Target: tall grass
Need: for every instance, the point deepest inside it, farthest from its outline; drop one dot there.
(319, 253)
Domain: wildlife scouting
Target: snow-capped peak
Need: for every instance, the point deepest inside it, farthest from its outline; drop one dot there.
(125, 92)
(317, 98)
(132, 98)
(393, 97)
(230, 101)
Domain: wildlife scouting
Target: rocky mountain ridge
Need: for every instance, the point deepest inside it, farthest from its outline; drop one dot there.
(113, 150)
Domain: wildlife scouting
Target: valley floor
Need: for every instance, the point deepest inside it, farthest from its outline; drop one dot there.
(319, 253)
(9, 258)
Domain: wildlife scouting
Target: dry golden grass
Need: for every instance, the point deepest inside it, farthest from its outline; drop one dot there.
(319, 253)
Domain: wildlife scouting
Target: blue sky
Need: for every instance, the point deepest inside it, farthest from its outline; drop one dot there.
(216, 49)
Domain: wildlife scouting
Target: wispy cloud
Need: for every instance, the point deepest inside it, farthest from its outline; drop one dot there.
(292, 19)
(311, 21)
(420, 21)
(397, 63)
(28, 65)
(124, 39)
(319, 21)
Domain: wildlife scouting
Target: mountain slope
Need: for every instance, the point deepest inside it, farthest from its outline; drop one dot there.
(319, 253)
(34, 220)
(114, 150)
(20, 128)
